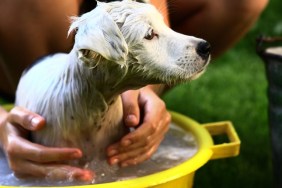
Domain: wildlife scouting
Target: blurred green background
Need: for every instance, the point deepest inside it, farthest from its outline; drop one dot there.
(234, 88)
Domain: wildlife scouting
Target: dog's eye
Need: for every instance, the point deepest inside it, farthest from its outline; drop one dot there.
(150, 35)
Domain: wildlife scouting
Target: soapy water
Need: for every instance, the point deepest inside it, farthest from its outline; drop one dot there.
(177, 147)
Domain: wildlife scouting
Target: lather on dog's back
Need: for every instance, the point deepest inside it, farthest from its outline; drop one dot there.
(118, 46)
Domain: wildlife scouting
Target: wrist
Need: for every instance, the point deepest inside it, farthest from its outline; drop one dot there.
(161, 5)
(157, 88)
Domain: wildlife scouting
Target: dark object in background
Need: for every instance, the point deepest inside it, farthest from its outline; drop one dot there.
(270, 50)
(88, 5)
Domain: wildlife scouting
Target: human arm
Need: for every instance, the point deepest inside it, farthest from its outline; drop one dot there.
(222, 23)
(162, 6)
(40, 160)
(147, 114)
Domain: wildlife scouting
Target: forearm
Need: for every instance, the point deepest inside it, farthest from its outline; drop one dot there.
(210, 19)
(159, 89)
(161, 5)
(3, 118)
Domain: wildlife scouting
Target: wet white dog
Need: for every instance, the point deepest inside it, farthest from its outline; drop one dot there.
(118, 46)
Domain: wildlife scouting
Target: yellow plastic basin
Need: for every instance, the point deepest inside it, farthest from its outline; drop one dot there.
(182, 175)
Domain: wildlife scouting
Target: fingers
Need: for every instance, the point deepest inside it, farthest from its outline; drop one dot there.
(135, 156)
(64, 172)
(140, 144)
(41, 161)
(142, 147)
(26, 119)
(155, 122)
(21, 148)
(131, 112)
(141, 157)
(53, 172)
(143, 136)
(22, 155)
(147, 136)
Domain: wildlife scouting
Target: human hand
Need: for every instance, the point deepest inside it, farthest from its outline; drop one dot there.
(147, 113)
(41, 161)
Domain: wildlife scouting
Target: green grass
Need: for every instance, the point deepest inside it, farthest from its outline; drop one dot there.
(234, 88)
(3, 101)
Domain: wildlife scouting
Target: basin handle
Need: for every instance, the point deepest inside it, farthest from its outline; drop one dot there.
(224, 150)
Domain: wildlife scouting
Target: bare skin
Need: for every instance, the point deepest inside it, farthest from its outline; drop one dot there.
(32, 29)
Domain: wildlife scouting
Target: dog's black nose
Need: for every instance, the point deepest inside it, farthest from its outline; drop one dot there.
(203, 49)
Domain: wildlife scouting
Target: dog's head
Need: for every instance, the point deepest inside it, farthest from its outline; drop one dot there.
(134, 35)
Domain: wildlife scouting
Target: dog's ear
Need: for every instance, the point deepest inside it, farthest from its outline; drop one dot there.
(97, 31)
